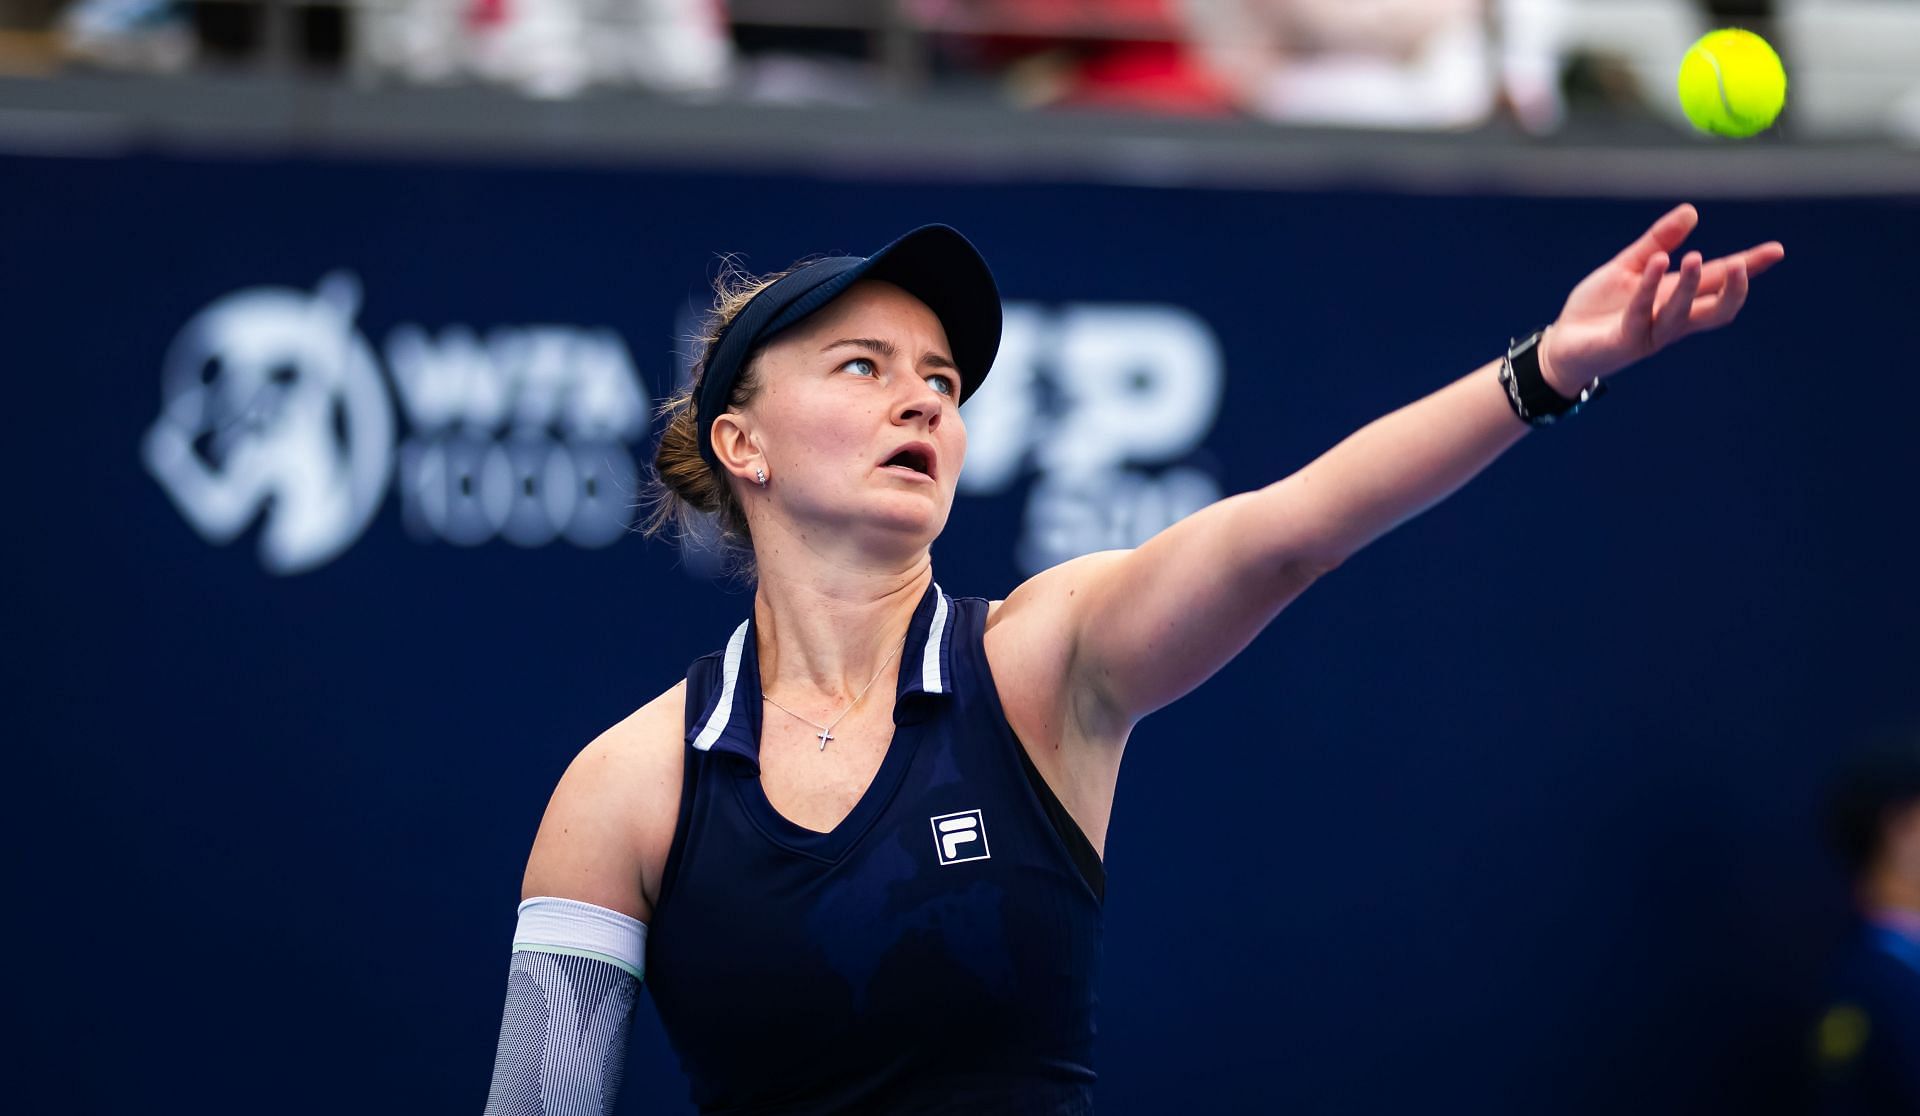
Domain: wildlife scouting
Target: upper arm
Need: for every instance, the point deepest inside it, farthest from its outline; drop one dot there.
(608, 826)
(1126, 632)
(1160, 619)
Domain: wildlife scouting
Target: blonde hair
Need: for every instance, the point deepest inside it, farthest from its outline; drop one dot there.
(683, 492)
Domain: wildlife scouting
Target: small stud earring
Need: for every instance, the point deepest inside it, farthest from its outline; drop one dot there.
(760, 477)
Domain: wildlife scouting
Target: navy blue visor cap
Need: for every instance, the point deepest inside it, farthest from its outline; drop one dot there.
(933, 263)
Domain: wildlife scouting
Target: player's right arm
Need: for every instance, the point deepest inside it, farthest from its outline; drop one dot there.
(579, 949)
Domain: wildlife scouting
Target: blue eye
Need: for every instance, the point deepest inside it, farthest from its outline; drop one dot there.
(944, 385)
(872, 369)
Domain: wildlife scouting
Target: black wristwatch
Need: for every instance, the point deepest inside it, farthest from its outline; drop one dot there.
(1533, 399)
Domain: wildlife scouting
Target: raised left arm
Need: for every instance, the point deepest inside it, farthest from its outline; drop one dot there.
(1146, 626)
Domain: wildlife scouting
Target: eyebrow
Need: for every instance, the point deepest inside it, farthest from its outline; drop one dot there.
(890, 350)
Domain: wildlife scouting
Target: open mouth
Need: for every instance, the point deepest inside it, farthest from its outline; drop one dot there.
(917, 460)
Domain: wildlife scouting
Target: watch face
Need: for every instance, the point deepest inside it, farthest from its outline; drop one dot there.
(1525, 343)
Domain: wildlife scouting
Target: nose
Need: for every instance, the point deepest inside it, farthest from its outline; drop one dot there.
(920, 404)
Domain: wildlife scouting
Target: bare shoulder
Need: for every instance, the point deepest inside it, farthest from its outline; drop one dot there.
(1057, 588)
(1030, 635)
(608, 826)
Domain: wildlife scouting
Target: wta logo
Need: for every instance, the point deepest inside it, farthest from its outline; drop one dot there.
(960, 837)
(275, 410)
(272, 405)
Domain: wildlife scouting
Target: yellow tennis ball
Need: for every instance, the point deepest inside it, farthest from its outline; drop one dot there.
(1732, 83)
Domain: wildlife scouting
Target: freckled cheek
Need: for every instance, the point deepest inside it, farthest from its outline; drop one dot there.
(845, 436)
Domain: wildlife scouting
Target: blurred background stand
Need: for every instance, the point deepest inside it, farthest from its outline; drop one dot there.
(1446, 65)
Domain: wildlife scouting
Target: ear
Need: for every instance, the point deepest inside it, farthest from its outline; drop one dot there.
(735, 447)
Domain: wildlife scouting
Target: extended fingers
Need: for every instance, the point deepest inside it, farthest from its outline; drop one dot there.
(1640, 306)
(1670, 318)
(1668, 233)
(1762, 256)
(1714, 311)
(1754, 261)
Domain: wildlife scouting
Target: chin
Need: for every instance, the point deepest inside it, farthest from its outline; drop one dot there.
(920, 520)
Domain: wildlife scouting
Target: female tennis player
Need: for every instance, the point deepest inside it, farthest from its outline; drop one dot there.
(856, 851)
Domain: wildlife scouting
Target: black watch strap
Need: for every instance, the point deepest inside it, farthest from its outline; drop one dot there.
(1532, 398)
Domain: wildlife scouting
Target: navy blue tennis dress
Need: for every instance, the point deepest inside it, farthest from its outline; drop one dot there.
(935, 953)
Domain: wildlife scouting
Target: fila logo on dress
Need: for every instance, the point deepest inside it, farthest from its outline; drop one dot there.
(960, 837)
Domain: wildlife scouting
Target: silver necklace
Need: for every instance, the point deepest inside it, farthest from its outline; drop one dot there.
(826, 730)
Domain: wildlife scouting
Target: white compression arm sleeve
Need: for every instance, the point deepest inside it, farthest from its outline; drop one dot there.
(570, 993)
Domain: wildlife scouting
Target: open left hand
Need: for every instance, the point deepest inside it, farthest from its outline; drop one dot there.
(1633, 307)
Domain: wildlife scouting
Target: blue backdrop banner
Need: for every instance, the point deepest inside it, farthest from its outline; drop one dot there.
(323, 567)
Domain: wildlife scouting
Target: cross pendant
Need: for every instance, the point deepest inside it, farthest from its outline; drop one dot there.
(825, 735)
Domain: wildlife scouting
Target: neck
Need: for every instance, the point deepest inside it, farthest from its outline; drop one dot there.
(825, 630)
